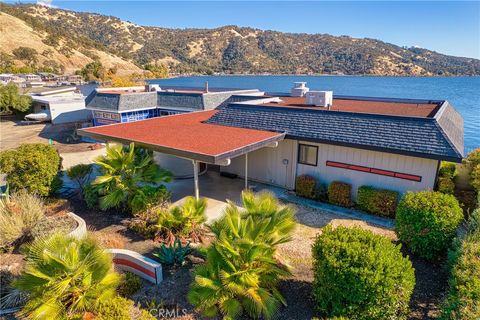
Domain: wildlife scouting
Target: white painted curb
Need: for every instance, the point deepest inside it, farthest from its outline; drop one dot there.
(81, 230)
(138, 264)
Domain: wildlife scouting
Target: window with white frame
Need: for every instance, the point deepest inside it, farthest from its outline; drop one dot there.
(307, 154)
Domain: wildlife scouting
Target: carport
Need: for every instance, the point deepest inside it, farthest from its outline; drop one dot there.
(188, 136)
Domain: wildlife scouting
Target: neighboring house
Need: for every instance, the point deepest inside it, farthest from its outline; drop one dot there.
(115, 105)
(387, 143)
(62, 105)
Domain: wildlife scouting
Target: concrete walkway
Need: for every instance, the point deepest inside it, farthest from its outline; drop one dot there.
(217, 189)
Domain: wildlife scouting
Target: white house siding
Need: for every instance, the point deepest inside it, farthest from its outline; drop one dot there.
(74, 111)
(267, 165)
(426, 168)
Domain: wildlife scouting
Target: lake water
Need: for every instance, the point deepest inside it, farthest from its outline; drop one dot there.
(462, 92)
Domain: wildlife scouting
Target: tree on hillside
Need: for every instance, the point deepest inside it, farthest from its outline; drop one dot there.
(6, 62)
(93, 71)
(26, 54)
(11, 99)
(157, 70)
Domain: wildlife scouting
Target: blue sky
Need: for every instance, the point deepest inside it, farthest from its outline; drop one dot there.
(447, 27)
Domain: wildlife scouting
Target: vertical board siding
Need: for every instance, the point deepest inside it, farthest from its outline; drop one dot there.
(426, 168)
(266, 165)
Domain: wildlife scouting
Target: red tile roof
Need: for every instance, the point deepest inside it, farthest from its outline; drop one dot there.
(366, 106)
(187, 135)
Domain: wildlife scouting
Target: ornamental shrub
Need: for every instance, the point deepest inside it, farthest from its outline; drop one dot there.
(463, 299)
(448, 169)
(377, 201)
(475, 178)
(339, 193)
(474, 157)
(427, 222)
(360, 275)
(305, 186)
(33, 167)
(445, 185)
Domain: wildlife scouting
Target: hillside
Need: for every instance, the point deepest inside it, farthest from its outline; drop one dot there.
(74, 39)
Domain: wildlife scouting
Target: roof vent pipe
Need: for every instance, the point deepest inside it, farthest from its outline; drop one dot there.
(299, 89)
(206, 86)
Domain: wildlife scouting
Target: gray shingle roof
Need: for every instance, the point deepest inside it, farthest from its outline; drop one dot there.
(423, 137)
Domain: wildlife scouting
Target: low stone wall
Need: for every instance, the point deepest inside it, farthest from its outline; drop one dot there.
(138, 264)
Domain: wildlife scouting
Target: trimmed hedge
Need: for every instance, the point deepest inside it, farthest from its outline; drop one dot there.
(360, 275)
(448, 169)
(33, 167)
(463, 299)
(475, 177)
(474, 157)
(339, 193)
(380, 202)
(305, 186)
(445, 185)
(427, 222)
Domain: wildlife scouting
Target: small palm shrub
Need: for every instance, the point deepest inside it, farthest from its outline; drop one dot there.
(339, 193)
(463, 298)
(33, 167)
(427, 222)
(65, 277)
(241, 272)
(20, 213)
(173, 255)
(377, 201)
(360, 275)
(182, 221)
(129, 179)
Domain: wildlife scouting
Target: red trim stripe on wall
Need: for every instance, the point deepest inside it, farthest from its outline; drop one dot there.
(393, 174)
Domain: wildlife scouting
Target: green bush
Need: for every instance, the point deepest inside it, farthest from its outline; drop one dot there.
(475, 177)
(463, 299)
(474, 157)
(305, 186)
(90, 196)
(33, 167)
(377, 201)
(427, 222)
(445, 185)
(448, 169)
(360, 275)
(129, 284)
(339, 193)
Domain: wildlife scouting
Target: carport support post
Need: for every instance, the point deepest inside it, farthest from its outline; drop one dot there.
(195, 179)
(246, 171)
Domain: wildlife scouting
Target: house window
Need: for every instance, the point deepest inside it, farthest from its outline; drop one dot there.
(307, 154)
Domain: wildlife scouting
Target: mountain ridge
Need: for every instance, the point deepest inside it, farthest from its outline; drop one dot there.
(77, 38)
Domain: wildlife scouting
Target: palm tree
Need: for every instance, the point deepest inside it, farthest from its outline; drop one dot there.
(65, 277)
(241, 272)
(130, 178)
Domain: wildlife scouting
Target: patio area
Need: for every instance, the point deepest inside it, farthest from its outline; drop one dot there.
(215, 188)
